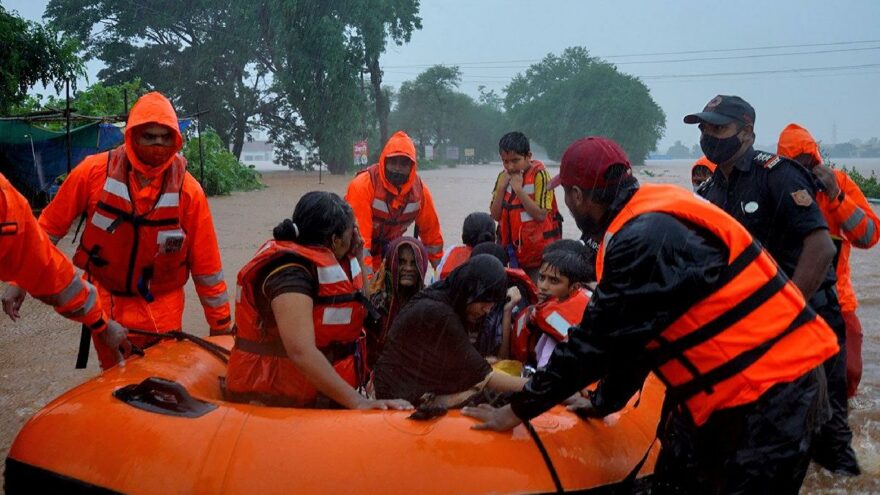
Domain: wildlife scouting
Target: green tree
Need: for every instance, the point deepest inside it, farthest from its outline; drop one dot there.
(566, 97)
(203, 54)
(427, 105)
(31, 54)
(377, 22)
(431, 110)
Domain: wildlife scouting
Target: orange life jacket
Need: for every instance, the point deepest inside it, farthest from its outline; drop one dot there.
(518, 229)
(389, 223)
(259, 363)
(453, 258)
(555, 317)
(522, 345)
(753, 332)
(128, 253)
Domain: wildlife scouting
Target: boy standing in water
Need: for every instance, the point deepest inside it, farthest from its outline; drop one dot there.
(524, 205)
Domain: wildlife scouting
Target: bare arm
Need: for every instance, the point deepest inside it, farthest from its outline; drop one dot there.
(812, 266)
(293, 312)
(498, 198)
(513, 298)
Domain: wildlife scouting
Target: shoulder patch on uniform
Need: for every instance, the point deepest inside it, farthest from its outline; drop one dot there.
(802, 198)
(767, 160)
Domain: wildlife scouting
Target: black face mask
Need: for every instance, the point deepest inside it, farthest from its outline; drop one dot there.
(396, 178)
(719, 150)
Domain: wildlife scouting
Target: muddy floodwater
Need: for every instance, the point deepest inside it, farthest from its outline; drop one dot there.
(37, 353)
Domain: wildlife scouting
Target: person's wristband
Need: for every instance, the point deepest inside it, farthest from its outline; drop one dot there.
(98, 327)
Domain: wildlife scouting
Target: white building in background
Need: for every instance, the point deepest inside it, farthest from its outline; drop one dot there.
(260, 153)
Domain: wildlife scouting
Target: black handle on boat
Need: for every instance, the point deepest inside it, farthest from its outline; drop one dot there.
(163, 396)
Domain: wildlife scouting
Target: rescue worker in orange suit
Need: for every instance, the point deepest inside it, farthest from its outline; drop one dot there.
(479, 227)
(686, 292)
(147, 226)
(701, 171)
(773, 197)
(300, 314)
(37, 266)
(524, 205)
(388, 197)
(851, 221)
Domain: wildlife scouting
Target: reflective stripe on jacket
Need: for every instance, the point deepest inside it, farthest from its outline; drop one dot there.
(452, 259)
(555, 317)
(130, 253)
(259, 363)
(31, 261)
(518, 229)
(755, 331)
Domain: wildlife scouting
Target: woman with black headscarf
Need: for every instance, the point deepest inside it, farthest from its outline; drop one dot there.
(429, 350)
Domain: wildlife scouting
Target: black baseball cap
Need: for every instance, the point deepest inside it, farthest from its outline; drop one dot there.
(722, 110)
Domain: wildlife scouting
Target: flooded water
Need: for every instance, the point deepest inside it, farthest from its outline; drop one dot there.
(38, 352)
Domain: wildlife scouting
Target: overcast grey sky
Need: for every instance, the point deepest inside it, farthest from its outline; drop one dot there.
(493, 40)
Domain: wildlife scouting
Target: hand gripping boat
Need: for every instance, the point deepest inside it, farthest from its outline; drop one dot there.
(159, 425)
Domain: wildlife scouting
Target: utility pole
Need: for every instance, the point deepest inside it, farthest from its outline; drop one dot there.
(67, 118)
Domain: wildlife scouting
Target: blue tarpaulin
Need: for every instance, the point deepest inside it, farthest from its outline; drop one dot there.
(32, 158)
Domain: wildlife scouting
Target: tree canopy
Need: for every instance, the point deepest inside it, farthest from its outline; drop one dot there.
(291, 66)
(32, 54)
(563, 98)
(433, 112)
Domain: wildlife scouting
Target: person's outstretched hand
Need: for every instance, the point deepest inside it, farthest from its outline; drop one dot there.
(116, 338)
(493, 418)
(385, 404)
(13, 297)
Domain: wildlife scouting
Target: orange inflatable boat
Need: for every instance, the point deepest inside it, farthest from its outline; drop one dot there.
(159, 425)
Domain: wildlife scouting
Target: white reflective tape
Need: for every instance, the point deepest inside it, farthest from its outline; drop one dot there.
(168, 200)
(331, 274)
(336, 316)
(380, 205)
(411, 207)
(525, 217)
(117, 188)
(521, 323)
(208, 280)
(529, 189)
(214, 301)
(101, 221)
(355, 268)
(559, 324)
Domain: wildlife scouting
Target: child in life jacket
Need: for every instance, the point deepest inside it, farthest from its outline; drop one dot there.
(532, 335)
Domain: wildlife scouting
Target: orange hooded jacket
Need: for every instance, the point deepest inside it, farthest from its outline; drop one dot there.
(81, 192)
(362, 192)
(33, 263)
(851, 220)
(704, 162)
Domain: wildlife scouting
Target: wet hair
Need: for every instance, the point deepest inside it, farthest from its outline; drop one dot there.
(617, 178)
(478, 227)
(318, 216)
(492, 249)
(571, 259)
(700, 169)
(515, 142)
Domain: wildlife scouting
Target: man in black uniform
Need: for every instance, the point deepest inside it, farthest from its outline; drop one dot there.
(659, 270)
(773, 198)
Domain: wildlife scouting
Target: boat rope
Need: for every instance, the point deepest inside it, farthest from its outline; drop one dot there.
(219, 352)
(546, 456)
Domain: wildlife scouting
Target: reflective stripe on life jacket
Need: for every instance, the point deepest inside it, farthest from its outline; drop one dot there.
(129, 253)
(753, 332)
(392, 215)
(555, 317)
(454, 257)
(523, 338)
(258, 363)
(520, 230)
